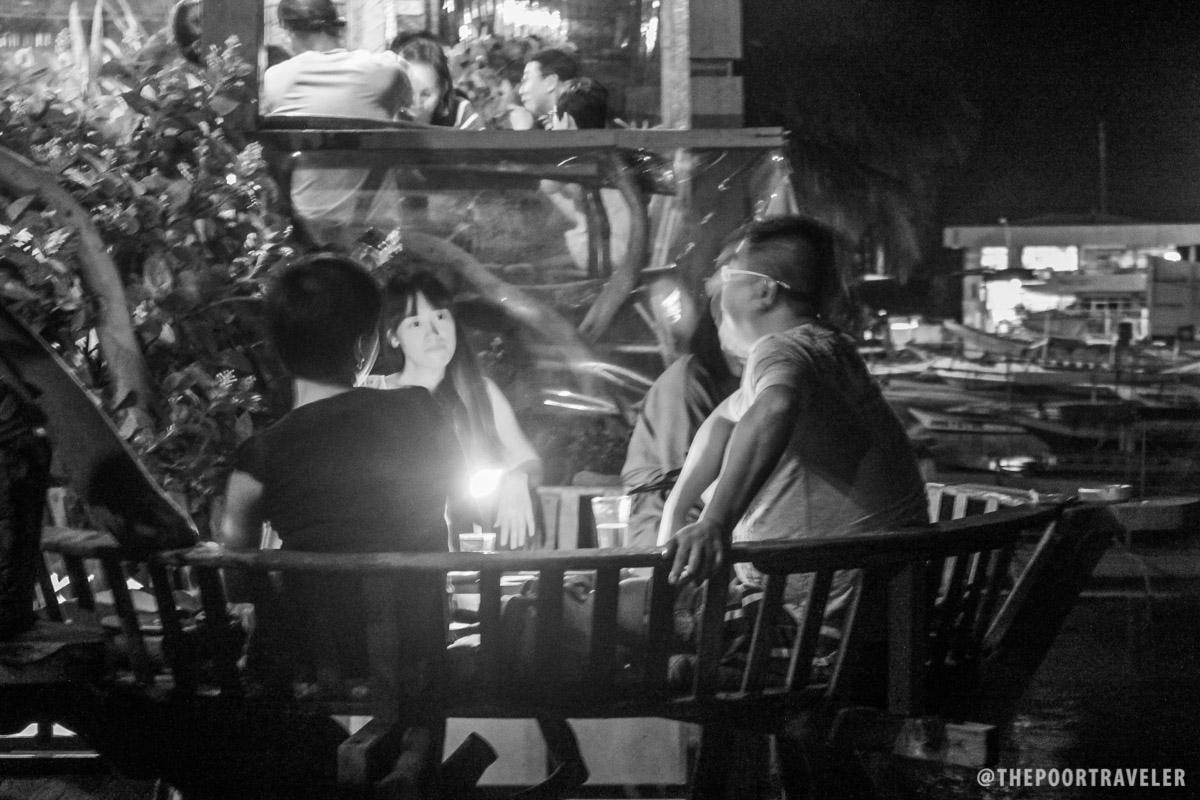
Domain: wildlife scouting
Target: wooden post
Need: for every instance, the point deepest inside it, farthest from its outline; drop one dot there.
(714, 48)
(674, 36)
(906, 640)
(224, 18)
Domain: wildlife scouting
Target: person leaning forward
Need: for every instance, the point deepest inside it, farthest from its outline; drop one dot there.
(806, 447)
(324, 79)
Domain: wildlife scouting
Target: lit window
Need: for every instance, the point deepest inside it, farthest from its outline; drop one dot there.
(1056, 259)
(994, 258)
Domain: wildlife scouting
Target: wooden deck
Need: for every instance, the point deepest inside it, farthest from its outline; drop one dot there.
(75, 787)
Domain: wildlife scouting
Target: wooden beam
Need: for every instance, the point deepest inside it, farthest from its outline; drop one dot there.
(674, 34)
(327, 133)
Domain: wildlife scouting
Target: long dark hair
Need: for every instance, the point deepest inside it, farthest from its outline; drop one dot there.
(706, 349)
(463, 391)
(424, 51)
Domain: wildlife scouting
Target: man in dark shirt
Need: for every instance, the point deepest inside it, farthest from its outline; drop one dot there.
(346, 470)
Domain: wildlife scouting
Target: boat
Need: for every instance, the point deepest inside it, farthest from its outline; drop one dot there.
(992, 344)
(1029, 374)
(949, 422)
(887, 363)
(971, 373)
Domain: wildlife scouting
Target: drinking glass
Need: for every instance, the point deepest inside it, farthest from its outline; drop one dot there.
(612, 520)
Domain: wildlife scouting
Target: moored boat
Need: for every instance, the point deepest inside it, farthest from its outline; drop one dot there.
(949, 422)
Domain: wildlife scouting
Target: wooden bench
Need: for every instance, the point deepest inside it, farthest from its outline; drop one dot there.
(938, 635)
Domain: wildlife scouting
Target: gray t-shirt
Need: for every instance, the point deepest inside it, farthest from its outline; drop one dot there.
(330, 196)
(848, 467)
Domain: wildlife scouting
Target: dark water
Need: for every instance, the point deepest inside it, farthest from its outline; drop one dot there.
(1119, 689)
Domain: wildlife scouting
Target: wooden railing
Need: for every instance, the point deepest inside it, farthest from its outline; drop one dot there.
(931, 605)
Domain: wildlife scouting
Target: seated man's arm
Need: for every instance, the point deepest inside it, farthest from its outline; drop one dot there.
(241, 526)
(755, 446)
(700, 468)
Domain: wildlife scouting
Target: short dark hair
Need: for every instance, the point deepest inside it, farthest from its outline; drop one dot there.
(586, 101)
(318, 309)
(309, 16)
(557, 62)
(798, 251)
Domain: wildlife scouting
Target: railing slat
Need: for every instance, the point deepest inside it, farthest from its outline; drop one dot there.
(907, 641)
(709, 644)
(800, 666)
(977, 580)
(548, 635)
(762, 639)
(77, 572)
(948, 608)
(139, 658)
(933, 496)
(604, 625)
(960, 506)
(489, 630)
(991, 596)
(216, 622)
(661, 628)
(174, 646)
(45, 585)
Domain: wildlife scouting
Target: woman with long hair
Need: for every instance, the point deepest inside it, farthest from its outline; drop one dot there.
(430, 349)
(434, 100)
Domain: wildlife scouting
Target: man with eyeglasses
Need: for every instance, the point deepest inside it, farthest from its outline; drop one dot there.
(807, 446)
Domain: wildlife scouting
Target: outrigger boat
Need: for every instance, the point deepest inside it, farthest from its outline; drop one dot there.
(1024, 374)
(945, 422)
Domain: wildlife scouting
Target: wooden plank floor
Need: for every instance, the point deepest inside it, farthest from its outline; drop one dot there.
(104, 787)
(75, 787)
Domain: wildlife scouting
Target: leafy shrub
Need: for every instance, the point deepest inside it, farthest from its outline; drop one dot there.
(189, 215)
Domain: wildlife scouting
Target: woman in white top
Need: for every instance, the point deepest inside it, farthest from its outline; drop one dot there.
(430, 349)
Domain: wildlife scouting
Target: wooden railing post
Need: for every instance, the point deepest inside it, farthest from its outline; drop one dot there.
(907, 640)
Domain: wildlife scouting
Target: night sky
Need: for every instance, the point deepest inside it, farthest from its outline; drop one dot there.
(1038, 76)
(1043, 75)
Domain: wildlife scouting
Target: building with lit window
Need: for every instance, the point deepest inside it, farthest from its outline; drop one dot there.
(1079, 276)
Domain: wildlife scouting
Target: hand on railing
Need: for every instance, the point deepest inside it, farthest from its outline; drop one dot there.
(697, 551)
(514, 511)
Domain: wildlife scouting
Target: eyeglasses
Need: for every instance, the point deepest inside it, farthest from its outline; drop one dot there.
(727, 273)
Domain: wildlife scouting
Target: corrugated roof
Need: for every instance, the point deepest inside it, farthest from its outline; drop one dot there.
(1123, 235)
(1093, 218)
(1092, 283)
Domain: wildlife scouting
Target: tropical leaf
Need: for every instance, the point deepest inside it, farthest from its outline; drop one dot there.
(149, 161)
